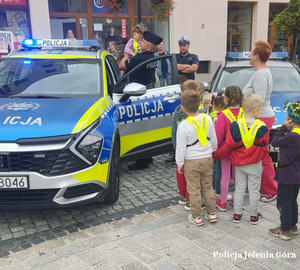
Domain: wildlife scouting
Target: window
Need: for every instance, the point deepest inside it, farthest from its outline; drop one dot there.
(239, 26)
(68, 6)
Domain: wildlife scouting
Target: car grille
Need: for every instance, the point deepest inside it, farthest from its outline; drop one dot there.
(11, 198)
(48, 163)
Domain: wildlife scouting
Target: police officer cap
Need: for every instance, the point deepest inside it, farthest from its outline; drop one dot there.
(153, 38)
(183, 40)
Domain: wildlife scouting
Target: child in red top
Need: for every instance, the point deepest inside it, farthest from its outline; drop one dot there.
(233, 97)
(247, 138)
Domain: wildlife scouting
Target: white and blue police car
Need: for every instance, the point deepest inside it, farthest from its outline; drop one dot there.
(286, 81)
(67, 118)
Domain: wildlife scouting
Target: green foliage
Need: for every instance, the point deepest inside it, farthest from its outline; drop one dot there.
(288, 21)
(163, 10)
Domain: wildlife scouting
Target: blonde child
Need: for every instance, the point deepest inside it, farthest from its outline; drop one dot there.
(179, 116)
(194, 156)
(206, 103)
(233, 97)
(133, 45)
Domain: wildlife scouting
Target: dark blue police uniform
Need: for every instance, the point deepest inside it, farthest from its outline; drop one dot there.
(146, 74)
(189, 59)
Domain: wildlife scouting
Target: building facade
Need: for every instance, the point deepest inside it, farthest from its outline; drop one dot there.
(214, 27)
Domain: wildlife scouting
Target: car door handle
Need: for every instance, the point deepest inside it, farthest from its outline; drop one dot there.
(171, 98)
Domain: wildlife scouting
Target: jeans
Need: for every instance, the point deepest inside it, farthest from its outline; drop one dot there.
(287, 205)
(163, 77)
(217, 174)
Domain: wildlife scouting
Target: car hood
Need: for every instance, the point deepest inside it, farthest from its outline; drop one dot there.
(277, 101)
(32, 118)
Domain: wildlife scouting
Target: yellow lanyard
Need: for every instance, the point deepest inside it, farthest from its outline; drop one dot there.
(248, 136)
(201, 127)
(231, 116)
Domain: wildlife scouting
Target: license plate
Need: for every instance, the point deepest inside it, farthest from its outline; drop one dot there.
(19, 182)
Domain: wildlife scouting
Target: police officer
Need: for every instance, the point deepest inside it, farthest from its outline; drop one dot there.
(146, 74)
(187, 63)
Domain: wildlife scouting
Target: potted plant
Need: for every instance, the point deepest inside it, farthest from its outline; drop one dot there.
(114, 6)
(163, 9)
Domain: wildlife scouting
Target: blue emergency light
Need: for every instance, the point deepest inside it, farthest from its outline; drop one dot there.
(60, 43)
(26, 62)
(246, 55)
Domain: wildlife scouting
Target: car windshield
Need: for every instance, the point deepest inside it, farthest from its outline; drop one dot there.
(49, 77)
(285, 79)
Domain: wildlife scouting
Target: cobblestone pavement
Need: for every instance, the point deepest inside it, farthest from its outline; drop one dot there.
(164, 240)
(20, 229)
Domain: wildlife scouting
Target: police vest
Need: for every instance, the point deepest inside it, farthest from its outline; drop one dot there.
(201, 129)
(248, 136)
(228, 113)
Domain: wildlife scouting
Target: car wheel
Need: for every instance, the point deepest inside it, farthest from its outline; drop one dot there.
(114, 176)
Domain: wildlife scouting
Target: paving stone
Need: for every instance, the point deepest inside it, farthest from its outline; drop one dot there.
(220, 265)
(66, 261)
(165, 265)
(249, 264)
(71, 249)
(147, 255)
(92, 256)
(43, 259)
(192, 264)
(135, 266)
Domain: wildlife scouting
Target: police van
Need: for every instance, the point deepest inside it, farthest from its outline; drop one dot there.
(286, 80)
(67, 118)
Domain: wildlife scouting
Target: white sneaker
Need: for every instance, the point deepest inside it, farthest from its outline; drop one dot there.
(187, 207)
(197, 220)
(211, 217)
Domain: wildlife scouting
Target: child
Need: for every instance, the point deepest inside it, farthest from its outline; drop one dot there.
(233, 97)
(206, 103)
(218, 105)
(248, 139)
(179, 116)
(195, 142)
(133, 45)
(288, 172)
(112, 49)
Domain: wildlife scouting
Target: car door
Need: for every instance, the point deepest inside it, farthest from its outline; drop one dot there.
(145, 121)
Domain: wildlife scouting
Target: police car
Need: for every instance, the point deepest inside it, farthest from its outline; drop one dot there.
(66, 119)
(286, 80)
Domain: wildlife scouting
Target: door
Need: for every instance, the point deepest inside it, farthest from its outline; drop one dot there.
(145, 121)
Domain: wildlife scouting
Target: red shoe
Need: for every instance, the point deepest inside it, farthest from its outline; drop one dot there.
(221, 206)
(268, 198)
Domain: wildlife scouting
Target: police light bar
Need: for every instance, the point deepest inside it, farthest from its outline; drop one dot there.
(246, 55)
(59, 43)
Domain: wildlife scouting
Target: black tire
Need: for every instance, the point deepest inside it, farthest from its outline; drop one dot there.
(114, 176)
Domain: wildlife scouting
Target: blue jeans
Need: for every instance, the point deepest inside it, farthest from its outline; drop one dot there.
(163, 77)
(217, 174)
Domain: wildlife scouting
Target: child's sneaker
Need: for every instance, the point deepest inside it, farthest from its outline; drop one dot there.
(197, 220)
(278, 232)
(256, 219)
(229, 197)
(221, 206)
(211, 217)
(268, 198)
(294, 230)
(187, 206)
(237, 218)
(182, 200)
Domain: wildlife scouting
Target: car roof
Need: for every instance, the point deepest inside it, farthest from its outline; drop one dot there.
(271, 63)
(53, 53)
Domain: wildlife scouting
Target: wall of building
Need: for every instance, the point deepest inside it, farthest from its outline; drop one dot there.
(39, 18)
(205, 23)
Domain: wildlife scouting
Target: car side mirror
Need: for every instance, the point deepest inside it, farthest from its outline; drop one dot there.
(205, 84)
(133, 89)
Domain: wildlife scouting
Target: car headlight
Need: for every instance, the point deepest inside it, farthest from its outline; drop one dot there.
(90, 147)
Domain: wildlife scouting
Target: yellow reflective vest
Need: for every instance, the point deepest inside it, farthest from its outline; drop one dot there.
(135, 45)
(201, 127)
(228, 113)
(248, 136)
(296, 130)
